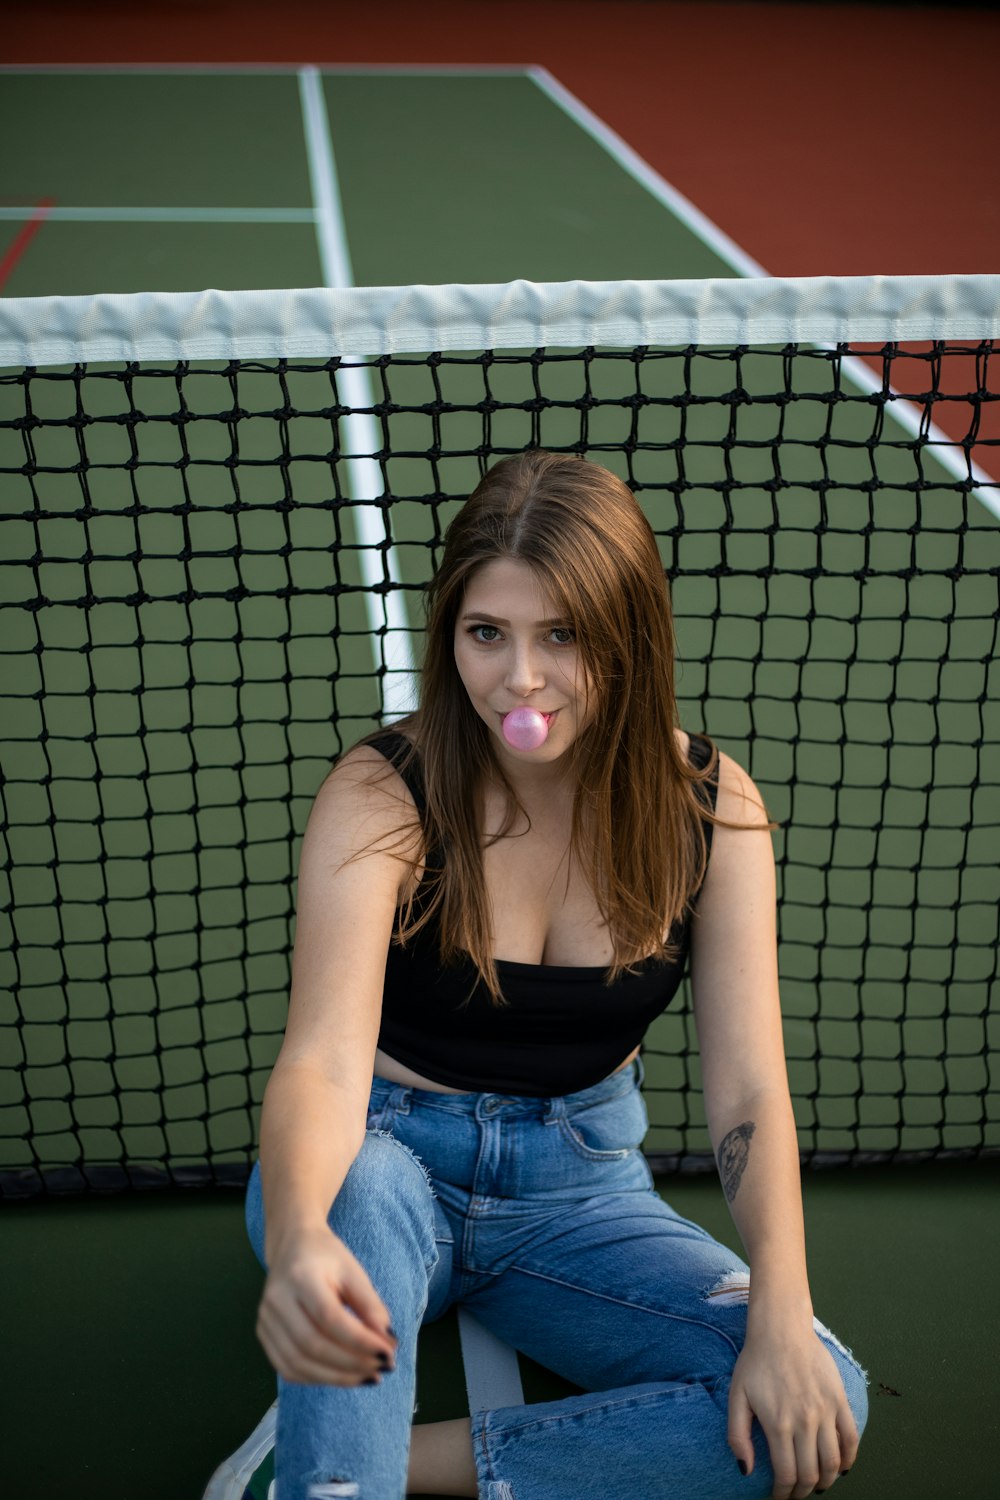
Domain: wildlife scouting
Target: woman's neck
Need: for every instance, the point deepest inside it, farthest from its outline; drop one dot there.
(545, 807)
(540, 785)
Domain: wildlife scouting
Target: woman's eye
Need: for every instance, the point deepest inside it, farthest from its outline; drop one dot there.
(486, 635)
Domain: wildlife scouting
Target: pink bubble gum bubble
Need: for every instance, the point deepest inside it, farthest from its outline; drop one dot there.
(525, 728)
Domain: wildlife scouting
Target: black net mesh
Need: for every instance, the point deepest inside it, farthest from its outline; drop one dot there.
(197, 616)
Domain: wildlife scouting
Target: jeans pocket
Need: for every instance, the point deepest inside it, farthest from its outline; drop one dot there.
(608, 1130)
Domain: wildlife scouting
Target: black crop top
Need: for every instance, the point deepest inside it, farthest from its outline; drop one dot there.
(563, 1028)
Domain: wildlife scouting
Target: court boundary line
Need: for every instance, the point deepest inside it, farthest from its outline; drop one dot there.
(904, 413)
(648, 177)
(387, 616)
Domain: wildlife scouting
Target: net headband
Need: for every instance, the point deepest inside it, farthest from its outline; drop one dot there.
(322, 322)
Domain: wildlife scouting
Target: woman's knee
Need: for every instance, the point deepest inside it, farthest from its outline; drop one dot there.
(855, 1379)
(386, 1191)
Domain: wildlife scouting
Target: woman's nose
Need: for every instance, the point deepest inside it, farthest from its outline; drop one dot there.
(524, 671)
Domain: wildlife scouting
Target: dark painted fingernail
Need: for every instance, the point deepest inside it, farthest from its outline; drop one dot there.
(393, 1334)
(372, 1380)
(741, 1466)
(383, 1359)
(844, 1473)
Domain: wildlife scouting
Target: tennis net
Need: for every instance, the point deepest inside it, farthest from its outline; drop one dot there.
(219, 513)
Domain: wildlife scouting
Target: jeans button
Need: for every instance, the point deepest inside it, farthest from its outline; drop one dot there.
(491, 1105)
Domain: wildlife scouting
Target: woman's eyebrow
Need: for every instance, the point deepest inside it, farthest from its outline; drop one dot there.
(495, 619)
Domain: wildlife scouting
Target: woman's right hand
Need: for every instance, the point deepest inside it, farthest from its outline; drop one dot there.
(320, 1320)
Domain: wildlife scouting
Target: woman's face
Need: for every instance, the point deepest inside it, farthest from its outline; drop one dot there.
(514, 648)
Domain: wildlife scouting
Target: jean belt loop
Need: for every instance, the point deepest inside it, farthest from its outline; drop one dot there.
(640, 1071)
(556, 1109)
(401, 1099)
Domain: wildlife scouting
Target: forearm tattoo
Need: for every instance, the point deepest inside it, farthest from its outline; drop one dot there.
(733, 1156)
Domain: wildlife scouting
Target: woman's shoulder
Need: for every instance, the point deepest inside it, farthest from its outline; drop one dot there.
(379, 754)
(694, 747)
(699, 751)
(736, 797)
(366, 783)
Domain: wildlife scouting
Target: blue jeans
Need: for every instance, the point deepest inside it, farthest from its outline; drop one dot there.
(540, 1216)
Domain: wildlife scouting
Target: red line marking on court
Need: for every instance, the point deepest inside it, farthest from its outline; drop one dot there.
(24, 237)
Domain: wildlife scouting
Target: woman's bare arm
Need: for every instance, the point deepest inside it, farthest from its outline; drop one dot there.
(315, 1104)
(784, 1375)
(734, 969)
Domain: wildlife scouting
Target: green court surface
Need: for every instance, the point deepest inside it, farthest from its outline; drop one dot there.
(136, 1319)
(517, 191)
(130, 1367)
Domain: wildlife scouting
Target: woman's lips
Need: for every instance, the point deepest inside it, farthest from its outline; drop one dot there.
(548, 717)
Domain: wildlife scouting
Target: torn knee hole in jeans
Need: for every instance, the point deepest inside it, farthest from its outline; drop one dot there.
(387, 1135)
(333, 1489)
(733, 1287)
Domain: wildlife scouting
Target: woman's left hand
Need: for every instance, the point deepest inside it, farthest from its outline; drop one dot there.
(788, 1380)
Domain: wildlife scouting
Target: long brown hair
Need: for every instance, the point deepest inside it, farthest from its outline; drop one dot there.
(638, 814)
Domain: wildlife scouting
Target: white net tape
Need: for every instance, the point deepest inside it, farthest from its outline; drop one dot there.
(320, 322)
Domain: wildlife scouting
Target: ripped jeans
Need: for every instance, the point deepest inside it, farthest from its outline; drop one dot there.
(540, 1215)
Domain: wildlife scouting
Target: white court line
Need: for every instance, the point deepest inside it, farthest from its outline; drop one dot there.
(630, 161)
(386, 612)
(157, 215)
(949, 454)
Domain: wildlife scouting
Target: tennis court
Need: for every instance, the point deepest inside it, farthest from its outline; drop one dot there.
(422, 202)
(236, 194)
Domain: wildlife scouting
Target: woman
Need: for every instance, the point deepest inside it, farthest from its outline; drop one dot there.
(489, 927)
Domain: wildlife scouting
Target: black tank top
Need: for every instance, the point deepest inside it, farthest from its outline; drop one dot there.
(563, 1028)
